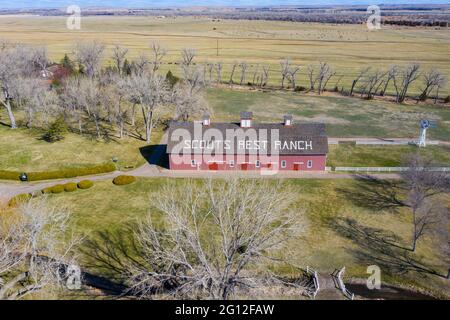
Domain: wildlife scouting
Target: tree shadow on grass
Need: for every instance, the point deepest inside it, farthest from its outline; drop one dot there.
(114, 255)
(380, 247)
(375, 194)
(156, 155)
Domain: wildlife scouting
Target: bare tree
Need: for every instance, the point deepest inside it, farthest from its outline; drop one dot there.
(265, 76)
(34, 249)
(219, 67)
(325, 73)
(40, 59)
(187, 56)
(89, 56)
(15, 62)
(150, 92)
(244, 67)
(403, 79)
(27, 94)
(141, 64)
(424, 183)
(285, 69)
(212, 233)
(371, 83)
(389, 77)
(233, 70)
(118, 56)
(432, 80)
(358, 77)
(158, 54)
(311, 77)
(292, 75)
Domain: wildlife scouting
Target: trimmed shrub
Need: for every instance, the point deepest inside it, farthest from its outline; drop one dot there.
(9, 175)
(71, 186)
(60, 174)
(57, 188)
(85, 184)
(123, 180)
(47, 190)
(18, 199)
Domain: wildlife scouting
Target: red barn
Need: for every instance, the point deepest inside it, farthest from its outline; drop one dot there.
(247, 145)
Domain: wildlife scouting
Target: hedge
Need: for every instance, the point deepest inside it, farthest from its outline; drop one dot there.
(59, 174)
(85, 184)
(123, 180)
(71, 186)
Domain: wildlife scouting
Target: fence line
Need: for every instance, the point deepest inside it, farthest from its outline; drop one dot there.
(315, 278)
(341, 284)
(386, 169)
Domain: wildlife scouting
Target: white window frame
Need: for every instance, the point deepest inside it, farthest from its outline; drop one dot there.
(231, 163)
(258, 164)
(283, 163)
(309, 164)
(193, 163)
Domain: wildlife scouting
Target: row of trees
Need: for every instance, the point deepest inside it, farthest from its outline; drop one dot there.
(99, 97)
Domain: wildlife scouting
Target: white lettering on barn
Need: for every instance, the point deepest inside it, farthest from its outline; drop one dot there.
(248, 144)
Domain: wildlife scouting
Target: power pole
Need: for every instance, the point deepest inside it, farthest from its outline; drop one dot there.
(217, 46)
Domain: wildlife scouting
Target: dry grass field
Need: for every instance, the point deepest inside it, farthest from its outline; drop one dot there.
(346, 47)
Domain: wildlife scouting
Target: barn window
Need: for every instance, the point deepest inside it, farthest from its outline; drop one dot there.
(193, 163)
(258, 164)
(231, 163)
(283, 163)
(309, 164)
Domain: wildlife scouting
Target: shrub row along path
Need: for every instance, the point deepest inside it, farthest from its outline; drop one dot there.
(10, 189)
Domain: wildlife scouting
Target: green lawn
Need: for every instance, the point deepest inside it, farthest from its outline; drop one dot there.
(335, 236)
(382, 156)
(24, 150)
(344, 116)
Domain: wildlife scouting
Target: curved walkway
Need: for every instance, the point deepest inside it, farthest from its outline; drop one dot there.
(9, 189)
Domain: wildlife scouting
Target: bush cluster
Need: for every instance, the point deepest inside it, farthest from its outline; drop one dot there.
(68, 187)
(59, 174)
(123, 180)
(85, 184)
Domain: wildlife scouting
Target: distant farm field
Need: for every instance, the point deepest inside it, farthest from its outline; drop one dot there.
(346, 47)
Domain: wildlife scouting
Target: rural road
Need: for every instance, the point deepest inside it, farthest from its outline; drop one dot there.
(9, 189)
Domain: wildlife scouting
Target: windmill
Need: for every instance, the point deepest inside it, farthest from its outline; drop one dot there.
(424, 125)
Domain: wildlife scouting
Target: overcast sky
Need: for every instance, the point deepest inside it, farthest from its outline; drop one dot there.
(165, 3)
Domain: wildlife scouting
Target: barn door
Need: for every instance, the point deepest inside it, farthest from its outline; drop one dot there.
(244, 166)
(297, 166)
(214, 166)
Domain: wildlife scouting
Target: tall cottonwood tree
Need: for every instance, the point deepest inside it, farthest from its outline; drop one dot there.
(403, 79)
(150, 91)
(35, 251)
(15, 61)
(211, 235)
(424, 184)
(89, 56)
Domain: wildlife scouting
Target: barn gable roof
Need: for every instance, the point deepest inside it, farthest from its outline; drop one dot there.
(313, 133)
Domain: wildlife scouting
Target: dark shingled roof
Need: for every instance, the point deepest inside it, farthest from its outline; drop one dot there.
(246, 115)
(313, 133)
